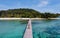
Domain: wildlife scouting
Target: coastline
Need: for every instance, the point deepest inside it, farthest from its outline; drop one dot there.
(25, 18)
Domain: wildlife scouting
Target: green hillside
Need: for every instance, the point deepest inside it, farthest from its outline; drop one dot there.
(25, 13)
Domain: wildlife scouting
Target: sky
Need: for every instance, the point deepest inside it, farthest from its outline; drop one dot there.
(52, 6)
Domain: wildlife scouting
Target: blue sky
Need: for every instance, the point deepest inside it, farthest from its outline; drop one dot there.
(52, 6)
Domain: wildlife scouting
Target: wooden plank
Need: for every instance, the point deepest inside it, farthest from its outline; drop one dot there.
(28, 32)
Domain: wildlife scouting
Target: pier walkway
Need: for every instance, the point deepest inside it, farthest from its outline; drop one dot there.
(28, 32)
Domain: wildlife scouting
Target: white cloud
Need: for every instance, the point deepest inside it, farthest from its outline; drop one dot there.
(43, 3)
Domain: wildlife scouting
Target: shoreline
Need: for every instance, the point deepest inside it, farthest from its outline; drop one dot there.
(25, 18)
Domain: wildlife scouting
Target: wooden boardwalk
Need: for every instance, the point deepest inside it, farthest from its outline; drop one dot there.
(28, 32)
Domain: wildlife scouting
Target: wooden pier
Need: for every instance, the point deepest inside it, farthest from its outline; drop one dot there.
(28, 32)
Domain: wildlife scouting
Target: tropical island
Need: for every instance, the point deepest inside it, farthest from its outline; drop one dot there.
(26, 13)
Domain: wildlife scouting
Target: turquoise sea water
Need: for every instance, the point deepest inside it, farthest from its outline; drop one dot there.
(12, 29)
(46, 28)
(41, 28)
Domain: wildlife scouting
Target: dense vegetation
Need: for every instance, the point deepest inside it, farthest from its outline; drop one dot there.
(26, 13)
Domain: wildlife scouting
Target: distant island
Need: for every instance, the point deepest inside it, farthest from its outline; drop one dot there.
(26, 13)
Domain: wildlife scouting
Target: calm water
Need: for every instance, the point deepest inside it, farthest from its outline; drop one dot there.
(41, 28)
(46, 28)
(12, 29)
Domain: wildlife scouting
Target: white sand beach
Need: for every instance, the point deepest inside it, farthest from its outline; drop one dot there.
(25, 18)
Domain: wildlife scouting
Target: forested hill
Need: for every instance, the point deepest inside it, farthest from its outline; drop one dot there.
(25, 13)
